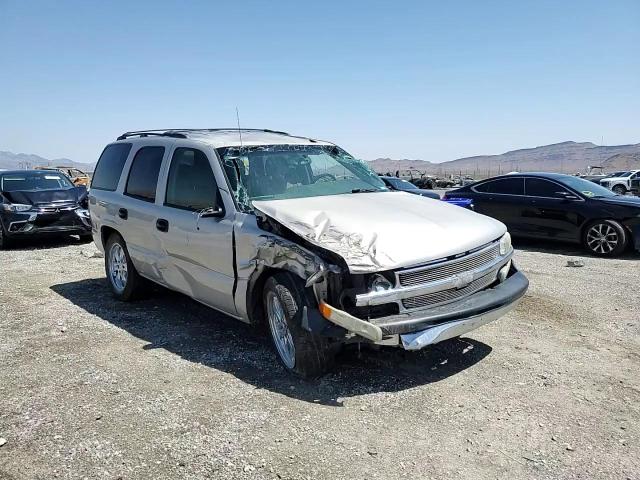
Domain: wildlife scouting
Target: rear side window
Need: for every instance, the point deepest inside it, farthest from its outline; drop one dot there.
(504, 186)
(537, 187)
(191, 184)
(143, 174)
(109, 167)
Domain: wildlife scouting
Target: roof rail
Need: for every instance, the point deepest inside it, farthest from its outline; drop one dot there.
(182, 132)
(146, 133)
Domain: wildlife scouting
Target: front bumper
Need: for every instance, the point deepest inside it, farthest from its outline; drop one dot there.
(418, 328)
(34, 222)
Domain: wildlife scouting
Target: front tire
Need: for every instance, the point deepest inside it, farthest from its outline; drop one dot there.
(5, 241)
(605, 238)
(122, 276)
(300, 351)
(619, 189)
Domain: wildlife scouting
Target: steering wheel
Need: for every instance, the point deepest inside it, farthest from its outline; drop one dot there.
(324, 177)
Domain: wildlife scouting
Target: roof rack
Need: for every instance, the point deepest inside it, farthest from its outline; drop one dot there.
(183, 132)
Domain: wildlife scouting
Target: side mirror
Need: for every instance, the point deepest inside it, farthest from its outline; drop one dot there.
(211, 212)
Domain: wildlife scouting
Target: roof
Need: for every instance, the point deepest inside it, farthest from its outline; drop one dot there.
(18, 172)
(229, 137)
(558, 176)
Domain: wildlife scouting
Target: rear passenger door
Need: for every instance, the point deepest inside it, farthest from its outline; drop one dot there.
(199, 249)
(138, 210)
(502, 199)
(552, 211)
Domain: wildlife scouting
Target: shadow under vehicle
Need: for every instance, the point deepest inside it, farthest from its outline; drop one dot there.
(198, 334)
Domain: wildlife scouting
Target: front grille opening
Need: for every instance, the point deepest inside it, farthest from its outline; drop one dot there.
(450, 295)
(447, 269)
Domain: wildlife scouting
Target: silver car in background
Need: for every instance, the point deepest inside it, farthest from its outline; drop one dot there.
(295, 233)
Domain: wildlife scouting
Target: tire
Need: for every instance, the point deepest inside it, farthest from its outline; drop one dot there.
(605, 238)
(5, 241)
(619, 189)
(123, 278)
(300, 351)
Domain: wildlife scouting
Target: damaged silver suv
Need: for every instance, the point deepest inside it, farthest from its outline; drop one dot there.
(296, 234)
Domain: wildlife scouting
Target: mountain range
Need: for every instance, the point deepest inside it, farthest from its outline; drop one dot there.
(10, 161)
(567, 157)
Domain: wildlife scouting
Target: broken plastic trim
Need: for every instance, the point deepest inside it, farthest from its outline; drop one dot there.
(350, 323)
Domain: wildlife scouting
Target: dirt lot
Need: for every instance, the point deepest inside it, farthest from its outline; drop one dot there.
(166, 388)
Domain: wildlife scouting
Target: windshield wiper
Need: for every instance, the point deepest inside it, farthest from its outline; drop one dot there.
(364, 190)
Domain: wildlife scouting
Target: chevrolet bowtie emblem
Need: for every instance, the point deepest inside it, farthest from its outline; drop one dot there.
(461, 280)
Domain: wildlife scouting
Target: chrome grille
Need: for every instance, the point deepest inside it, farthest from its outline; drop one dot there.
(450, 295)
(447, 269)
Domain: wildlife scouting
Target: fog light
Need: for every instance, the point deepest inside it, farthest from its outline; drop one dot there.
(504, 271)
(379, 283)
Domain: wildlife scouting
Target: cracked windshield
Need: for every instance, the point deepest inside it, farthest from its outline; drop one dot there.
(277, 172)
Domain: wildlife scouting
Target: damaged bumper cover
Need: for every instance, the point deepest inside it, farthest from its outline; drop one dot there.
(48, 221)
(419, 328)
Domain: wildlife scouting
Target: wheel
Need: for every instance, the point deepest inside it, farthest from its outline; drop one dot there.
(619, 189)
(300, 351)
(5, 241)
(605, 238)
(122, 276)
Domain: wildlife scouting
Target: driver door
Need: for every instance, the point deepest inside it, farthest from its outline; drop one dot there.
(200, 249)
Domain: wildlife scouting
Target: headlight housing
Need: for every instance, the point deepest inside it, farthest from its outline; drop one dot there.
(15, 207)
(505, 244)
(379, 283)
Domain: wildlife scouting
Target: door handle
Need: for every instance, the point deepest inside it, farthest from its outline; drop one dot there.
(123, 213)
(162, 225)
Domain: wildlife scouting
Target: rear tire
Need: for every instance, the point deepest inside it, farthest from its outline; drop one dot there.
(300, 351)
(605, 238)
(122, 276)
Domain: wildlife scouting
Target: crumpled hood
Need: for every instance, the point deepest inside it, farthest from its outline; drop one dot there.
(383, 230)
(45, 197)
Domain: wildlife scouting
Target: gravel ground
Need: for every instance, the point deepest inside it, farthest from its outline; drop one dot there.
(166, 388)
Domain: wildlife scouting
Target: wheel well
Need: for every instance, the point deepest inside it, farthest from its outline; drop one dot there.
(255, 308)
(254, 297)
(105, 233)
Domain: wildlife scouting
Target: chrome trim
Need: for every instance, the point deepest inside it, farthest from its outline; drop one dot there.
(455, 281)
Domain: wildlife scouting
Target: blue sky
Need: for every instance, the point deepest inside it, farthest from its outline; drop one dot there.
(429, 80)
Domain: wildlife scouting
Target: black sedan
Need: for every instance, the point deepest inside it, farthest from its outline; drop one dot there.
(36, 202)
(395, 183)
(559, 207)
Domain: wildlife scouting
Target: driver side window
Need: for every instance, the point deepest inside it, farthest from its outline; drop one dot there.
(191, 184)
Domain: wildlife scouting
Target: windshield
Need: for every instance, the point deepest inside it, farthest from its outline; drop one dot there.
(585, 187)
(274, 172)
(33, 181)
(621, 174)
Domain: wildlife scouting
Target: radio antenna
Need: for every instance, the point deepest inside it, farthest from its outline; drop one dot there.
(239, 131)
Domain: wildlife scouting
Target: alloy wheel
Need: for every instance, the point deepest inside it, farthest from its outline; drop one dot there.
(602, 238)
(280, 330)
(118, 272)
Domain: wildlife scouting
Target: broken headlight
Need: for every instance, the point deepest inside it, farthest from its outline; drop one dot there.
(378, 283)
(15, 207)
(505, 244)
